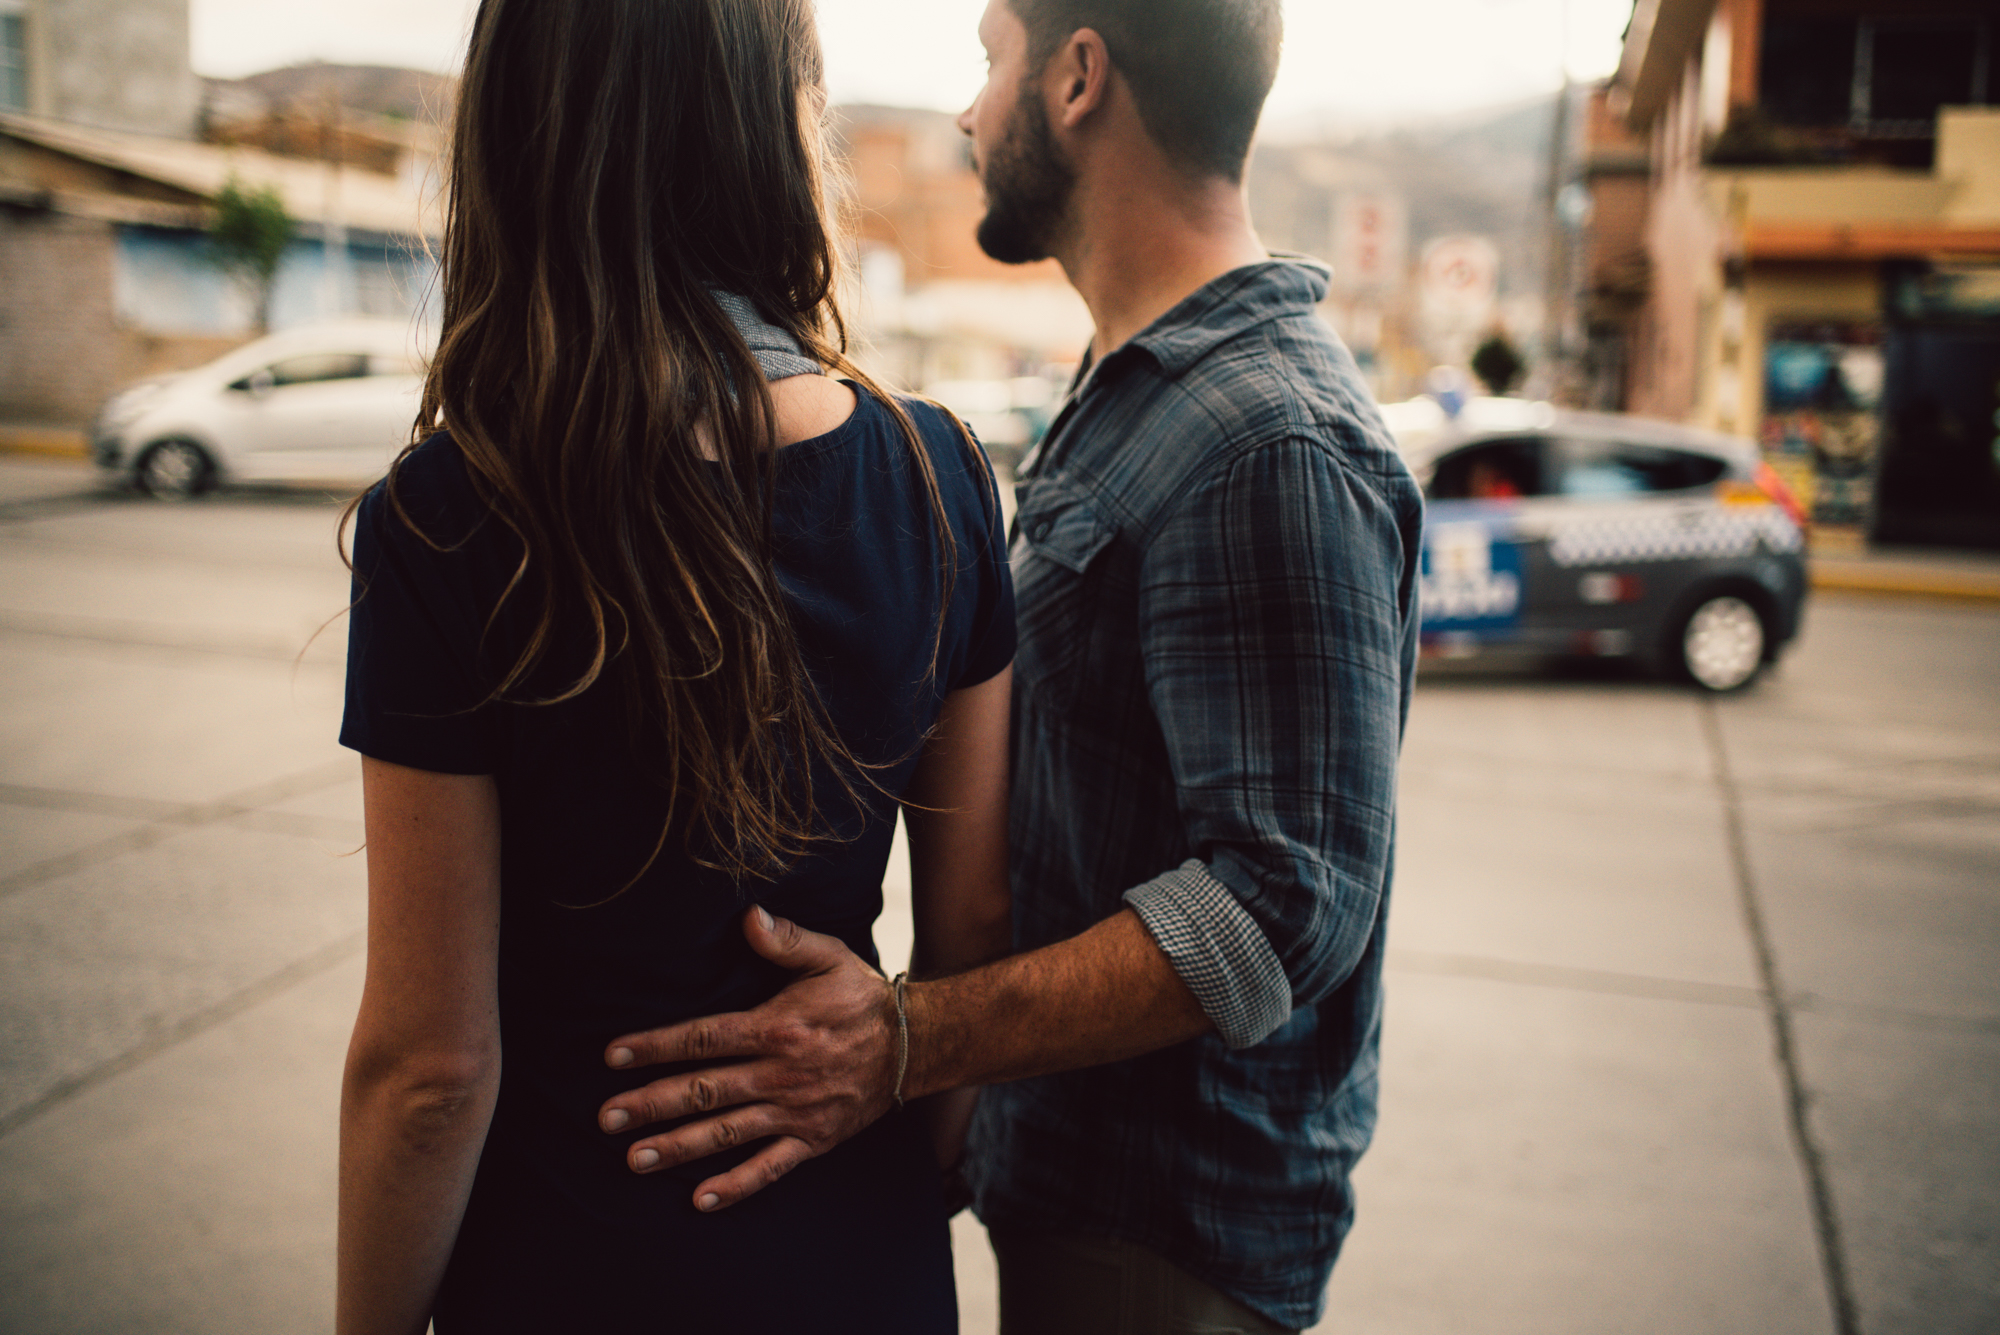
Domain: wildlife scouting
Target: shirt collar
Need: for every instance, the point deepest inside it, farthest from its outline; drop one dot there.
(1284, 285)
(1281, 286)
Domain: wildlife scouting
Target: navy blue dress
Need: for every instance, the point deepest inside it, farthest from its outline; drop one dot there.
(559, 1235)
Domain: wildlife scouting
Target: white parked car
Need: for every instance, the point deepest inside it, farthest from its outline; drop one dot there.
(330, 402)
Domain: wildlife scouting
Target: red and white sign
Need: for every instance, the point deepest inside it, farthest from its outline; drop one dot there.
(1370, 240)
(1460, 275)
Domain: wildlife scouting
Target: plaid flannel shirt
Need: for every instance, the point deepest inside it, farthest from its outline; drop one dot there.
(1215, 563)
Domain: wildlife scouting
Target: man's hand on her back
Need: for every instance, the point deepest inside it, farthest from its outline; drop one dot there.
(821, 1065)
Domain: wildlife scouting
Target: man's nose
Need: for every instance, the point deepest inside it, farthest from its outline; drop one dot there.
(964, 121)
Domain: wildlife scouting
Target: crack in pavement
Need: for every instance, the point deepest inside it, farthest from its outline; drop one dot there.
(70, 548)
(164, 825)
(135, 634)
(301, 826)
(165, 820)
(1894, 1017)
(172, 1034)
(1812, 1160)
(1606, 982)
(53, 507)
(1570, 979)
(89, 804)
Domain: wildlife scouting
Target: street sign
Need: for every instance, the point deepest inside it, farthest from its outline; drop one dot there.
(1371, 238)
(1460, 275)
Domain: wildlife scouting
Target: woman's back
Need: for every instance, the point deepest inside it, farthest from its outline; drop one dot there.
(558, 1225)
(624, 660)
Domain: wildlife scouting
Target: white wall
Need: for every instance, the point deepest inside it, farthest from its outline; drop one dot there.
(113, 64)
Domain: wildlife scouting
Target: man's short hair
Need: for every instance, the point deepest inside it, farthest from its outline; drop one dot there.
(1198, 69)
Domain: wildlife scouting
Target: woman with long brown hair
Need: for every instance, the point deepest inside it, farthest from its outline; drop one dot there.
(667, 609)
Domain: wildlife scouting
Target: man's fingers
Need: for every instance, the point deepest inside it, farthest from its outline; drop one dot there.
(784, 942)
(707, 1039)
(754, 1174)
(680, 1096)
(698, 1140)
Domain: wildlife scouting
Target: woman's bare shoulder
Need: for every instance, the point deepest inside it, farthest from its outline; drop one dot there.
(809, 406)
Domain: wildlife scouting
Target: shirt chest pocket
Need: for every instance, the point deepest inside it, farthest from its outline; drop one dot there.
(1058, 535)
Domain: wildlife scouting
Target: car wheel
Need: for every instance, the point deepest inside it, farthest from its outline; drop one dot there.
(174, 469)
(1722, 643)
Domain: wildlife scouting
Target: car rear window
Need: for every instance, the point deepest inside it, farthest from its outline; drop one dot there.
(1606, 468)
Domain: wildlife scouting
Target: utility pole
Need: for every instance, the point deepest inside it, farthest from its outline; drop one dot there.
(333, 225)
(1555, 285)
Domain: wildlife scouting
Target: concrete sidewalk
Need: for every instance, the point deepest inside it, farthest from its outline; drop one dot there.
(1911, 571)
(51, 441)
(1693, 1021)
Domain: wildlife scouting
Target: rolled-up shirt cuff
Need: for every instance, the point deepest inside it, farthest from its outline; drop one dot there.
(1218, 950)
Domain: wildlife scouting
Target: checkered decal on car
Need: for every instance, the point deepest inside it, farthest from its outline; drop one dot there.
(1672, 535)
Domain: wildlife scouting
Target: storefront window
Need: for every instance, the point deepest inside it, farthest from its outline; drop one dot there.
(1822, 386)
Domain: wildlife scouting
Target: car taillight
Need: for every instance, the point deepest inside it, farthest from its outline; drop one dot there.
(1772, 485)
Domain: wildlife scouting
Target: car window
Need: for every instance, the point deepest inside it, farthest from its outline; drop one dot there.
(1492, 470)
(1595, 468)
(318, 366)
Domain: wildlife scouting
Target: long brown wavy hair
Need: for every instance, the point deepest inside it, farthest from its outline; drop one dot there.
(614, 161)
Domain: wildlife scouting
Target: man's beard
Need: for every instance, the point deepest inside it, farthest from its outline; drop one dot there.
(1028, 187)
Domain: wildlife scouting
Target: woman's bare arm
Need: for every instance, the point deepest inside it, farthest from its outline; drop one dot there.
(956, 812)
(423, 1068)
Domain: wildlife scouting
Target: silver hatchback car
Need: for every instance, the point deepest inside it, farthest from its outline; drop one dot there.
(332, 402)
(1592, 534)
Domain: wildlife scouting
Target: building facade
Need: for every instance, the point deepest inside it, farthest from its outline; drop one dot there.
(1615, 271)
(1823, 249)
(106, 64)
(108, 170)
(106, 274)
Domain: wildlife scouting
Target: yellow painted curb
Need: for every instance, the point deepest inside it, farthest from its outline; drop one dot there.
(1976, 585)
(48, 441)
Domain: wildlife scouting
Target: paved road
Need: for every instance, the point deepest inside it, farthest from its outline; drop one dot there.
(1596, 1117)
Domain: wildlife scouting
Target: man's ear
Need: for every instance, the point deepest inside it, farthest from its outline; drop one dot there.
(1080, 75)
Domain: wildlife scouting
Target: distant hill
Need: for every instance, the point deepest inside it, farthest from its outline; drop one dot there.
(381, 90)
(1481, 172)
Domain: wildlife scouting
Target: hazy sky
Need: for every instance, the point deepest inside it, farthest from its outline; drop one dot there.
(1351, 59)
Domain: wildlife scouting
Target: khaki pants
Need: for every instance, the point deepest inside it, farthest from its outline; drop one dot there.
(1066, 1284)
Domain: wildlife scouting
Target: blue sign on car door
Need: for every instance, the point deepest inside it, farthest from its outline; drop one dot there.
(1473, 582)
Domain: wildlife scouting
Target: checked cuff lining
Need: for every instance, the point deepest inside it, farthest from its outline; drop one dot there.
(1218, 950)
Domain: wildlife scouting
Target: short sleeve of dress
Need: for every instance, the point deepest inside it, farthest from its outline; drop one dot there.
(413, 683)
(990, 644)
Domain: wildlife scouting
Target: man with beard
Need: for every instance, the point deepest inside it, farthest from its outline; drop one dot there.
(1216, 562)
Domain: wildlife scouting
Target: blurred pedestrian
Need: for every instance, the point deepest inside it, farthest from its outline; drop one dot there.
(663, 621)
(1216, 553)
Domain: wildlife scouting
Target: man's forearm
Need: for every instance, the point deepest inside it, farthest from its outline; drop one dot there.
(1104, 995)
(823, 1051)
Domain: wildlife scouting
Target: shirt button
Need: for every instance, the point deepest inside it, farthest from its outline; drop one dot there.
(1041, 529)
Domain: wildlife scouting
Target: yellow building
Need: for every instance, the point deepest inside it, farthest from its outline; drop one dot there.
(1824, 246)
